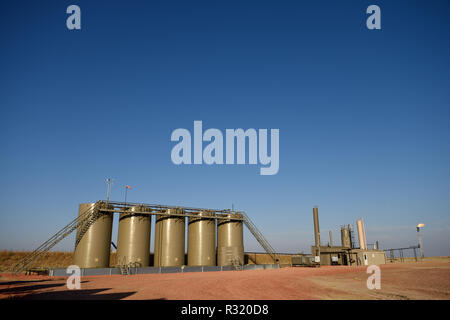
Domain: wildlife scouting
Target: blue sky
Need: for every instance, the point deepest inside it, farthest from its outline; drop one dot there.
(363, 115)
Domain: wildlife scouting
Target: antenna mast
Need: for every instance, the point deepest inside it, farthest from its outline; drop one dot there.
(109, 182)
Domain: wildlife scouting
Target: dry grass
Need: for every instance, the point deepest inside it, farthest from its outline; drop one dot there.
(412, 259)
(59, 259)
(53, 259)
(263, 258)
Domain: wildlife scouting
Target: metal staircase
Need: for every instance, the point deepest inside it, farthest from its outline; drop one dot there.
(260, 238)
(237, 264)
(124, 269)
(84, 220)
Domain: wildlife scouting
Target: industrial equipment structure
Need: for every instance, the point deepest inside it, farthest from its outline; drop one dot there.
(214, 240)
(92, 247)
(401, 253)
(94, 230)
(345, 254)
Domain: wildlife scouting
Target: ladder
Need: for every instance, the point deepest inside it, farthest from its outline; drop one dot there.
(82, 222)
(260, 238)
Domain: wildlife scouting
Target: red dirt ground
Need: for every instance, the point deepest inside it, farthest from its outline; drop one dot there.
(422, 280)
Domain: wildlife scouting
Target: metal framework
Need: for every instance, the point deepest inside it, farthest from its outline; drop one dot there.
(88, 217)
(159, 209)
(400, 253)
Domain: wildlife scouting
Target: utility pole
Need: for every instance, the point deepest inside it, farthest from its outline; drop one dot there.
(126, 191)
(109, 182)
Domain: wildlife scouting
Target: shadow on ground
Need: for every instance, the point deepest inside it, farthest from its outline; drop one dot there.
(34, 287)
(10, 283)
(91, 294)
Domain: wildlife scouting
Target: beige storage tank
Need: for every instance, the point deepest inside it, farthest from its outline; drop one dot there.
(170, 239)
(230, 241)
(133, 243)
(93, 246)
(345, 237)
(202, 240)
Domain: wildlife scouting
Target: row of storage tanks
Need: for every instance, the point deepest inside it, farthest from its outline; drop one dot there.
(92, 250)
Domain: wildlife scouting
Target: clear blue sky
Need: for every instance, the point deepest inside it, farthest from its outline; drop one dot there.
(363, 115)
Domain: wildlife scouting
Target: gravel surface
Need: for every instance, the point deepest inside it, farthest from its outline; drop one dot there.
(422, 280)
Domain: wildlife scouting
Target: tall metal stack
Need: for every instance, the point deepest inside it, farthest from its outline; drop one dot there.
(230, 241)
(316, 231)
(133, 246)
(361, 234)
(170, 239)
(93, 242)
(364, 234)
(202, 239)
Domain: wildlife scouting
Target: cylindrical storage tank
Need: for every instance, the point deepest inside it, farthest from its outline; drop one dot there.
(230, 240)
(93, 245)
(133, 243)
(169, 239)
(345, 237)
(202, 240)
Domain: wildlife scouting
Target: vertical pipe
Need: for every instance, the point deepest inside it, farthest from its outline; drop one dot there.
(331, 239)
(316, 230)
(350, 235)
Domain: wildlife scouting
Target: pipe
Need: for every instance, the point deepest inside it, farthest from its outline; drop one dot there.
(331, 239)
(350, 236)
